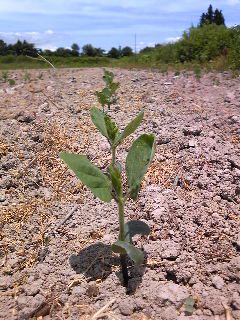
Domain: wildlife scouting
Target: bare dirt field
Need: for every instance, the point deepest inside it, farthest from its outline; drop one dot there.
(190, 197)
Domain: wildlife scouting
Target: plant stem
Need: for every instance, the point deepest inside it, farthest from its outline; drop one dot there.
(123, 260)
(121, 218)
(113, 156)
(120, 202)
(121, 238)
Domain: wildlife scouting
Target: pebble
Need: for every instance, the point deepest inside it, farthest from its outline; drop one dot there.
(192, 143)
(218, 282)
(126, 307)
(2, 196)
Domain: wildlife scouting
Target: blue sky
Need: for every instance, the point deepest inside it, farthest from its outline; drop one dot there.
(54, 23)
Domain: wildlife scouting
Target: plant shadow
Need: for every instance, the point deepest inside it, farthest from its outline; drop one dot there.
(97, 262)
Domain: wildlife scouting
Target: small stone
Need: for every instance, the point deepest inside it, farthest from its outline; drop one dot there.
(45, 107)
(158, 213)
(211, 134)
(92, 290)
(170, 250)
(37, 138)
(234, 119)
(237, 242)
(207, 312)
(192, 143)
(33, 288)
(170, 313)
(6, 183)
(236, 314)
(163, 140)
(227, 99)
(236, 301)
(2, 196)
(218, 282)
(78, 291)
(171, 293)
(126, 307)
(192, 131)
(25, 117)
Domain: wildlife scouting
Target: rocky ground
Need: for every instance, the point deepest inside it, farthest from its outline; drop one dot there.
(51, 269)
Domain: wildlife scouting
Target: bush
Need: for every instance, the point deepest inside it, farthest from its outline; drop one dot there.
(234, 52)
(203, 44)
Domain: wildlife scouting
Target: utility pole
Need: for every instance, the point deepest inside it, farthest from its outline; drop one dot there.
(135, 43)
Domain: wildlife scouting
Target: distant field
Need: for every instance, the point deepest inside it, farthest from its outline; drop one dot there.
(141, 61)
(23, 62)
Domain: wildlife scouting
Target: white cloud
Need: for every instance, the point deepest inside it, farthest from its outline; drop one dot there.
(42, 39)
(49, 32)
(173, 39)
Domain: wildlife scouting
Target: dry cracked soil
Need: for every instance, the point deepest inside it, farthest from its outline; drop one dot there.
(190, 197)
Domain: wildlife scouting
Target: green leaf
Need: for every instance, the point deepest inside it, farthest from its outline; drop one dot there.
(131, 127)
(105, 125)
(123, 247)
(115, 175)
(112, 129)
(133, 227)
(108, 77)
(113, 87)
(98, 118)
(89, 174)
(102, 98)
(138, 160)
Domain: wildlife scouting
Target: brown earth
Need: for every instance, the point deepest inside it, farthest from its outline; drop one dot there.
(190, 198)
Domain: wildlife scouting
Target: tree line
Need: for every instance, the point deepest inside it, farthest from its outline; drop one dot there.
(28, 49)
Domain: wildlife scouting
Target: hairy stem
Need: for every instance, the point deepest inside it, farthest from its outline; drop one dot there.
(120, 202)
(123, 257)
(121, 218)
(113, 156)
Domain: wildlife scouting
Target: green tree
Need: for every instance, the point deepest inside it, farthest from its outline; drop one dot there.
(99, 52)
(202, 20)
(75, 49)
(126, 52)
(114, 53)
(210, 15)
(88, 50)
(219, 18)
(3, 48)
(63, 52)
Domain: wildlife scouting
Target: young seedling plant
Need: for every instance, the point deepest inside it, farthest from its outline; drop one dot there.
(108, 185)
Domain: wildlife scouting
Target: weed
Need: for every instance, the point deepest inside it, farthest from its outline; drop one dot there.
(26, 76)
(11, 82)
(5, 76)
(197, 72)
(108, 185)
(40, 76)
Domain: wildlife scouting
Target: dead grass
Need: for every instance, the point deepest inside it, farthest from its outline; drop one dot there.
(161, 173)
